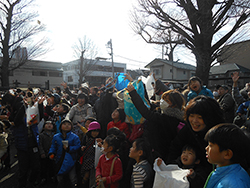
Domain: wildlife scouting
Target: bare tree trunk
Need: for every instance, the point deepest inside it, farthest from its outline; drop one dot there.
(204, 61)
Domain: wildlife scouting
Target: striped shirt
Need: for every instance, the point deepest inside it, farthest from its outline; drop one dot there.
(139, 174)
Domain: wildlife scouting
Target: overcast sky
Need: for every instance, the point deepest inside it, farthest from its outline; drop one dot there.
(99, 21)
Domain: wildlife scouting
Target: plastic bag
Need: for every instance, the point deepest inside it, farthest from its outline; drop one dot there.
(121, 82)
(98, 153)
(32, 114)
(170, 176)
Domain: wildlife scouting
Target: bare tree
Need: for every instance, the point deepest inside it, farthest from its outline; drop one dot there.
(87, 51)
(18, 26)
(204, 25)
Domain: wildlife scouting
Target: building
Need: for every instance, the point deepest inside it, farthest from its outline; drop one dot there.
(171, 71)
(95, 71)
(34, 73)
(236, 53)
(221, 75)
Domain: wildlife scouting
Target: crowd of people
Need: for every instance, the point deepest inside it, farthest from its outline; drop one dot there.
(85, 137)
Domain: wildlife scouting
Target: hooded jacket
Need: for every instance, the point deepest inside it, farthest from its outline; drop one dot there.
(70, 155)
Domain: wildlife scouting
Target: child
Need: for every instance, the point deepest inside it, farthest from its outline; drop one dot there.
(64, 149)
(190, 159)
(142, 175)
(57, 114)
(88, 157)
(196, 88)
(85, 128)
(110, 146)
(228, 146)
(45, 140)
(118, 117)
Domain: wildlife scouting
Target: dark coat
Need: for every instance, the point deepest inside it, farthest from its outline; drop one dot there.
(160, 129)
(227, 104)
(20, 129)
(104, 107)
(196, 139)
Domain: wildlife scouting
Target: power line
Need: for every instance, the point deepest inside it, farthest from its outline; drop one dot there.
(131, 59)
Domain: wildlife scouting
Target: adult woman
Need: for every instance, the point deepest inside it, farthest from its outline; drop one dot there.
(201, 114)
(161, 128)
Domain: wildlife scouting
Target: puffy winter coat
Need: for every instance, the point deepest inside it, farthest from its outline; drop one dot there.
(204, 91)
(70, 155)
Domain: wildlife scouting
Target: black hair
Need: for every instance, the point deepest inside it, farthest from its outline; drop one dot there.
(122, 115)
(114, 141)
(58, 89)
(47, 122)
(64, 121)
(208, 108)
(193, 148)
(29, 94)
(89, 132)
(65, 107)
(142, 144)
(95, 89)
(8, 98)
(194, 78)
(230, 136)
(83, 95)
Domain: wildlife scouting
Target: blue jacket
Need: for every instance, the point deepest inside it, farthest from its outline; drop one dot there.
(70, 156)
(243, 107)
(231, 176)
(204, 91)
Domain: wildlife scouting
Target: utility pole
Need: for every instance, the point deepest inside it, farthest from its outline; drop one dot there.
(109, 45)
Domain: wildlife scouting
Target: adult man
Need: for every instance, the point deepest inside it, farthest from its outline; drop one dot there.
(80, 112)
(226, 103)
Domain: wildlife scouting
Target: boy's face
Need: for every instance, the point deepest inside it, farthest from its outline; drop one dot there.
(188, 157)
(134, 153)
(195, 85)
(66, 126)
(48, 126)
(60, 109)
(214, 156)
(94, 134)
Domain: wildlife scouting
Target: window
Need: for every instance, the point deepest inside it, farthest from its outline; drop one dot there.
(184, 72)
(156, 71)
(55, 74)
(171, 70)
(39, 73)
(70, 79)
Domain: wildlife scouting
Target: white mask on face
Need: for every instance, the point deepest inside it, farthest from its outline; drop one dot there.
(102, 150)
(163, 104)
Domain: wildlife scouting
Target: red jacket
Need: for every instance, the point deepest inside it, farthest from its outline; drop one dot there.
(103, 169)
(122, 126)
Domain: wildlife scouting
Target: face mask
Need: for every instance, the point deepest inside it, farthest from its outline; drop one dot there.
(163, 104)
(102, 150)
(215, 94)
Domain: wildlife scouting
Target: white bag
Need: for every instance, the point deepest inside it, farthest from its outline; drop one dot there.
(170, 176)
(32, 112)
(98, 153)
(149, 88)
